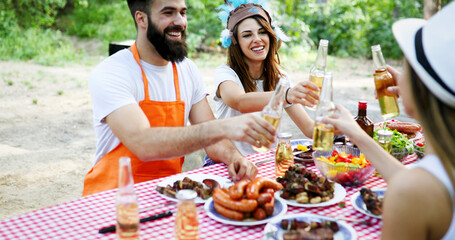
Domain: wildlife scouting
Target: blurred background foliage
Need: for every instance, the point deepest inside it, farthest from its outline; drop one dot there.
(40, 30)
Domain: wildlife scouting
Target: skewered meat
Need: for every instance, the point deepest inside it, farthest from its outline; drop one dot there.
(371, 200)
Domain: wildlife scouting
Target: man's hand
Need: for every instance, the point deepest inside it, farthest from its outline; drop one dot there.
(304, 93)
(241, 168)
(249, 128)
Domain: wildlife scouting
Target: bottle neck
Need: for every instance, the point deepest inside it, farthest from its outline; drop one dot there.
(321, 59)
(275, 105)
(378, 59)
(362, 113)
(326, 96)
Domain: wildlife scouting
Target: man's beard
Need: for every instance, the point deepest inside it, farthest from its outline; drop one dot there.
(170, 50)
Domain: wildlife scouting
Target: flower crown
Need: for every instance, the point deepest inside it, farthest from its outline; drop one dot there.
(234, 11)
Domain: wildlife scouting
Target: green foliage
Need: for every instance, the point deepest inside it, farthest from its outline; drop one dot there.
(351, 26)
(204, 27)
(106, 20)
(39, 29)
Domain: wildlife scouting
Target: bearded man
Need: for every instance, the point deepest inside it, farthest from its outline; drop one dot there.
(143, 98)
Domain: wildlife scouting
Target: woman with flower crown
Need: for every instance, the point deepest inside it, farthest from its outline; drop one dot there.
(246, 83)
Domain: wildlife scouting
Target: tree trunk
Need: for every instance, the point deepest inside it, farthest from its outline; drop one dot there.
(430, 7)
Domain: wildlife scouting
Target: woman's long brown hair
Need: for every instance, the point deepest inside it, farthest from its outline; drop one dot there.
(438, 122)
(236, 60)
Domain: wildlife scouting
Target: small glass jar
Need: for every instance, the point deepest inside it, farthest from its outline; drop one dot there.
(385, 139)
(186, 220)
(284, 157)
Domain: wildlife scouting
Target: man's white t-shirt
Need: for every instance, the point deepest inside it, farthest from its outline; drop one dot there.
(117, 82)
(225, 73)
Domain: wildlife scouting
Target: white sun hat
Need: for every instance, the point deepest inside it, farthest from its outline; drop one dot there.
(429, 47)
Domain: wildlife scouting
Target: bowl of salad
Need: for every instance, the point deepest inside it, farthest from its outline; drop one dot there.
(419, 148)
(401, 145)
(345, 164)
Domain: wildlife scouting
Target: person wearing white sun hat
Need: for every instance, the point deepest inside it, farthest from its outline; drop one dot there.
(420, 201)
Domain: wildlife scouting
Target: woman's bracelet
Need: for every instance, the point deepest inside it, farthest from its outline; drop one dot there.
(286, 96)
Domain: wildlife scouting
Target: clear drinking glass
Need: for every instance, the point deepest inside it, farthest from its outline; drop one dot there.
(127, 226)
(284, 157)
(186, 220)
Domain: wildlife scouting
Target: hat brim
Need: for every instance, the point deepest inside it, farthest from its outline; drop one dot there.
(405, 31)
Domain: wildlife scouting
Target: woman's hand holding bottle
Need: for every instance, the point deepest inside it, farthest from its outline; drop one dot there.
(305, 93)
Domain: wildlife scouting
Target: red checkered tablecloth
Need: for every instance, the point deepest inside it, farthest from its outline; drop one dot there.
(82, 218)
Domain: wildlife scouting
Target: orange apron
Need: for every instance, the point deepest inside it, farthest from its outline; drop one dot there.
(104, 175)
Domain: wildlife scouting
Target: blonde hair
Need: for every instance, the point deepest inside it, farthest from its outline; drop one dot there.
(438, 121)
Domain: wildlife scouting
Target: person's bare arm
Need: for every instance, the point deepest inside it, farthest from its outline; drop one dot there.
(131, 126)
(416, 206)
(301, 119)
(224, 151)
(385, 163)
(236, 98)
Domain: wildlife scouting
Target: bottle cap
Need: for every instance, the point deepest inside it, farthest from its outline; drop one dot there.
(186, 194)
(284, 135)
(324, 42)
(385, 133)
(363, 105)
(376, 48)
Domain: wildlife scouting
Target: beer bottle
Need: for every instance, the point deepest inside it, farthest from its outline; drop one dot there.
(382, 80)
(323, 132)
(273, 110)
(363, 120)
(318, 70)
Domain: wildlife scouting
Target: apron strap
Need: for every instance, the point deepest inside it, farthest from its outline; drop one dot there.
(145, 80)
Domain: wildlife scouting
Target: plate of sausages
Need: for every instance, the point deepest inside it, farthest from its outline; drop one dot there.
(247, 203)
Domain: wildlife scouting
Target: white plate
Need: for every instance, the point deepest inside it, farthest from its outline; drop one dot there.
(304, 142)
(273, 228)
(339, 195)
(359, 205)
(195, 177)
(280, 210)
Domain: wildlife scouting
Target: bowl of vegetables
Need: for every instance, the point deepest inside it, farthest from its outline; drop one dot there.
(345, 164)
(419, 148)
(401, 145)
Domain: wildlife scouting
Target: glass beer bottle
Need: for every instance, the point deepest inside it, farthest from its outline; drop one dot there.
(323, 132)
(284, 157)
(318, 70)
(272, 112)
(127, 226)
(186, 220)
(382, 80)
(363, 120)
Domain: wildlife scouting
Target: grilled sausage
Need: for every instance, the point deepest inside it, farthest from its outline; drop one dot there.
(228, 213)
(243, 205)
(404, 127)
(237, 191)
(252, 190)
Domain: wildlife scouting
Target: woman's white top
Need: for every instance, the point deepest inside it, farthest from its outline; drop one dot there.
(432, 164)
(225, 73)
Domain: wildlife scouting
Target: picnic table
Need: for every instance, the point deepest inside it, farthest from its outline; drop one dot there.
(83, 217)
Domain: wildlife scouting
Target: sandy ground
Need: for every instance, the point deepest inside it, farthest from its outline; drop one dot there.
(47, 142)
